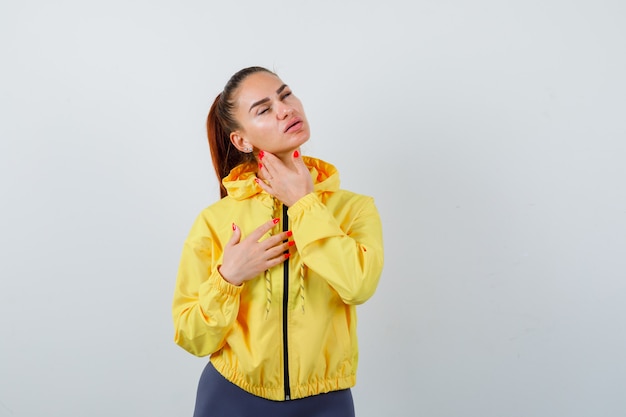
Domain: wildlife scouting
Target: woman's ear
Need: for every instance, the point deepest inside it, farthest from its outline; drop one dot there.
(240, 142)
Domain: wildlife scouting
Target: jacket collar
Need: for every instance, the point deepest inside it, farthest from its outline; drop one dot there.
(240, 184)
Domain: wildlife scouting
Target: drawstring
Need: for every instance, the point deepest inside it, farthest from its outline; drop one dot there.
(268, 276)
(268, 289)
(268, 284)
(302, 286)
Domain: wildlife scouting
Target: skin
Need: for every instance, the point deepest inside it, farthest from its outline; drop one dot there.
(274, 124)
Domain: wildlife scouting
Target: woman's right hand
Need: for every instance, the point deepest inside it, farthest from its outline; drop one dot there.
(246, 259)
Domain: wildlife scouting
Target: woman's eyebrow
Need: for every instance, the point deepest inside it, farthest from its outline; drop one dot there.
(263, 100)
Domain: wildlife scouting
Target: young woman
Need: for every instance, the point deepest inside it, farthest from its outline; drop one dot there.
(271, 273)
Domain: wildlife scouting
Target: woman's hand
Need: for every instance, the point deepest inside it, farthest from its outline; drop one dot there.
(244, 260)
(286, 183)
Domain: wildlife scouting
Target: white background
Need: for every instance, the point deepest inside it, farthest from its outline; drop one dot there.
(492, 135)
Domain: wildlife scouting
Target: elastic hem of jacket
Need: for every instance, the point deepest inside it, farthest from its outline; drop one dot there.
(316, 387)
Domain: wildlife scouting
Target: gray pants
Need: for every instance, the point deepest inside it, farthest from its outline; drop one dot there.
(218, 397)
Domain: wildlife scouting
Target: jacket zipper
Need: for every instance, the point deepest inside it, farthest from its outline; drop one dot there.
(285, 304)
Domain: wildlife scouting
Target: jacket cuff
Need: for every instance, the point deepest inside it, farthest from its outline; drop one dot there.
(220, 284)
(304, 203)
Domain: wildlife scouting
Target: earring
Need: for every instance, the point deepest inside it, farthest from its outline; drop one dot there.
(247, 149)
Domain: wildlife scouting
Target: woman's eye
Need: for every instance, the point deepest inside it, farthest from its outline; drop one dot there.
(287, 94)
(263, 110)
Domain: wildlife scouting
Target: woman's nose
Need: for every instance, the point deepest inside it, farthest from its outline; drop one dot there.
(284, 112)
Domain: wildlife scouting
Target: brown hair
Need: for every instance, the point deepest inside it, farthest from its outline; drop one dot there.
(221, 122)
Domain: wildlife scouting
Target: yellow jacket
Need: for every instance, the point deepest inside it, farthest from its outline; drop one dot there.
(336, 265)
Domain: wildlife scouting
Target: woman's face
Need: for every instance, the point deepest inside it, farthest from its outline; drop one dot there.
(272, 119)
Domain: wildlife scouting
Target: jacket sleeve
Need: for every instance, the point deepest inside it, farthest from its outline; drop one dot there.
(347, 252)
(205, 306)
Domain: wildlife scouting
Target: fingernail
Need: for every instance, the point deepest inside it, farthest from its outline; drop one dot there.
(260, 165)
(296, 153)
(261, 154)
(256, 180)
(287, 255)
(276, 221)
(234, 227)
(289, 233)
(292, 242)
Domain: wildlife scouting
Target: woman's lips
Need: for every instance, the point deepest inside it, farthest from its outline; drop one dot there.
(294, 125)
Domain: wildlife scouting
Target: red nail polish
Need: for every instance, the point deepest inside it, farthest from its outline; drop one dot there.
(276, 221)
(234, 227)
(261, 154)
(296, 153)
(287, 255)
(291, 243)
(289, 233)
(260, 165)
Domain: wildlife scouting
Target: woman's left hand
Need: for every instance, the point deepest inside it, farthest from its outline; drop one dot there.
(287, 183)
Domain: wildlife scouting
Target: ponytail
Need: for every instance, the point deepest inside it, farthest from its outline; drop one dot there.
(223, 154)
(220, 123)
